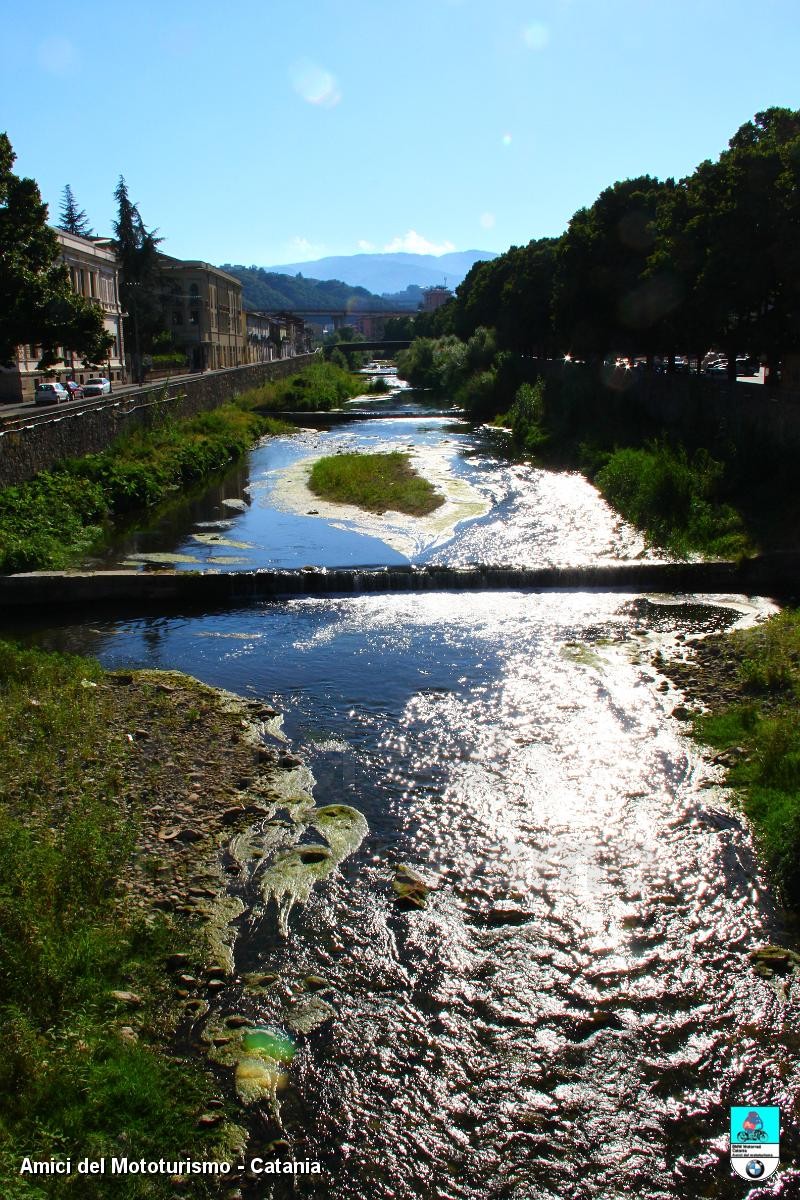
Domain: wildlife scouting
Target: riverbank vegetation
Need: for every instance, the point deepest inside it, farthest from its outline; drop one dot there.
(375, 482)
(750, 681)
(317, 388)
(50, 521)
(86, 1064)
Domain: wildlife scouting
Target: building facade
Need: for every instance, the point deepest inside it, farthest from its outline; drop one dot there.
(202, 308)
(275, 335)
(435, 297)
(94, 274)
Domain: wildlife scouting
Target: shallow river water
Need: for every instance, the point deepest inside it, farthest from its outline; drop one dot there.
(573, 1012)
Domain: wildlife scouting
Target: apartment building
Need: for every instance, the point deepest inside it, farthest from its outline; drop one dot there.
(94, 274)
(202, 308)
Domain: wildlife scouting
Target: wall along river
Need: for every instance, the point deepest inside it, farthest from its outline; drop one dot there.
(573, 1011)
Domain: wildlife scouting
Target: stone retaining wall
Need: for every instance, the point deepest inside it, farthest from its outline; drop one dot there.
(71, 434)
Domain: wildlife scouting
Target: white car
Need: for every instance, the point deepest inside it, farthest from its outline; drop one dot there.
(96, 385)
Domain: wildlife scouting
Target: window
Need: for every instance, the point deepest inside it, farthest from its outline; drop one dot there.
(177, 317)
(194, 292)
(194, 317)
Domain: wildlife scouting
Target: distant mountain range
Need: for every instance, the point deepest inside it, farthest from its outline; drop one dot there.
(389, 273)
(269, 291)
(394, 280)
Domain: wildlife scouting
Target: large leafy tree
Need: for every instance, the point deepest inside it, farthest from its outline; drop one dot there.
(37, 304)
(602, 302)
(513, 293)
(71, 218)
(731, 233)
(140, 276)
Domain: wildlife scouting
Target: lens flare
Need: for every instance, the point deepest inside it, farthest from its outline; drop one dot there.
(314, 84)
(536, 36)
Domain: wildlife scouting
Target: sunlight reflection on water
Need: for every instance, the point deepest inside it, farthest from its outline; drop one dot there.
(574, 1010)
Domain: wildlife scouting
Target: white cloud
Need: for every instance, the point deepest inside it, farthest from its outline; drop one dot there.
(301, 248)
(487, 220)
(57, 55)
(366, 247)
(536, 36)
(414, 243)
(314, 84)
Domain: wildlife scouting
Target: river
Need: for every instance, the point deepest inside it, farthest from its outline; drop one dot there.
(573, 1011)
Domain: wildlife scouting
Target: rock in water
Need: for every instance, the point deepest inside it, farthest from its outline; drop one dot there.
(410, 888)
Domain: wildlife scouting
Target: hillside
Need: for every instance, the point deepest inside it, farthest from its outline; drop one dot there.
(271, 291)
(382, 273)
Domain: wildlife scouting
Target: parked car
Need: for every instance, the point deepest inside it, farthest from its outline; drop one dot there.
(75, 390)
(96, 385)
(50, 393)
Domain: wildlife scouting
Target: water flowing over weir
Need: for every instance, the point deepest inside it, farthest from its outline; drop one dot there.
(572, 1010)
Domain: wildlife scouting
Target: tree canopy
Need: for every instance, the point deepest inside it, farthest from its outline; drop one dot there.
(37, 304)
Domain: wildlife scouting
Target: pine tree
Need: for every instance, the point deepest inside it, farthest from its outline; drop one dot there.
(73, 219)
(137, 252)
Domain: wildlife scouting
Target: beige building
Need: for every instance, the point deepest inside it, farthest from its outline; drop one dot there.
(266, 335)
(203, 311)
(94, 274)
(271, 336)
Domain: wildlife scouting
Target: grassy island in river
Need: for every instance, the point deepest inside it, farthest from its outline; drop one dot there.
(376, 482)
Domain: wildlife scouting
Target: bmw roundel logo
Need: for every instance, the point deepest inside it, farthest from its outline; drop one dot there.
(755, 1168)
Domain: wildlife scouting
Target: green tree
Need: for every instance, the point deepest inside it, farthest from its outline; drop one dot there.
(140, 276)
(602, 300)
(37, 304)
(729, 234)
(73, 219)
(513, 294)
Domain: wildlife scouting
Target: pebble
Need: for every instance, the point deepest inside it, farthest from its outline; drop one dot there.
(130, 998)
(209, 1119)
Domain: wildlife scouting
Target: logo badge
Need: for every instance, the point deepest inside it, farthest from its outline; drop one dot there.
(755, 1141)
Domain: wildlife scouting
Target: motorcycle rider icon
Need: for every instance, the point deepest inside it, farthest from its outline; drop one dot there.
(752, 1128)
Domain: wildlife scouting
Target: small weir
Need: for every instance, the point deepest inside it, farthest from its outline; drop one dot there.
(777, 574)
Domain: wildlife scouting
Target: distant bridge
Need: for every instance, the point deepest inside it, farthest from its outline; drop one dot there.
(356, 347)
(366, 318)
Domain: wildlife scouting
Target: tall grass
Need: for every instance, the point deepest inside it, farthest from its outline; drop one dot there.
(376, 482)
(766, 727)
(318, 388)
(676, 499)
(72, 1085)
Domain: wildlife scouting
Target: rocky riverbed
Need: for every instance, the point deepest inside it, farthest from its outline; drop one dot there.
(229, 840)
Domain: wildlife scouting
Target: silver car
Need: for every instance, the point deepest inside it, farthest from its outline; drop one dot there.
(51, 393)
(96, 385)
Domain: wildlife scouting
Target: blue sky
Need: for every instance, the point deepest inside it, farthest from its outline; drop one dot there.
(266, 132)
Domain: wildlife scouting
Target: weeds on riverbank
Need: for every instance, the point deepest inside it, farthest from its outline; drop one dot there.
(77, 1080)
(675, 498)
(762, 737)
(317, 388)
(53, 519)
(376, 482)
